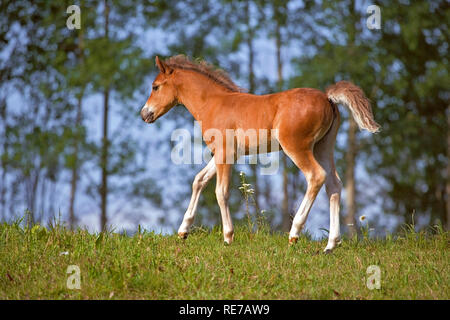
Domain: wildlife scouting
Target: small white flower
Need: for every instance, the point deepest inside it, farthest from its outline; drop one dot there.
(362, 218)
(64, 253)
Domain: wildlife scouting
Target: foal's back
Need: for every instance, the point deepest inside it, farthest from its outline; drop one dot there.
(301, 111)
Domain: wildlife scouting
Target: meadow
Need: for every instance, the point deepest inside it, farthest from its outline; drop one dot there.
(258, 265)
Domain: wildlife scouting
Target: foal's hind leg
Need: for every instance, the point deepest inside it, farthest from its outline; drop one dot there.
(315, 176)
(200, 182)
(324, 153)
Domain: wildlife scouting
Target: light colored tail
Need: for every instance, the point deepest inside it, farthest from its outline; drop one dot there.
(353, 97)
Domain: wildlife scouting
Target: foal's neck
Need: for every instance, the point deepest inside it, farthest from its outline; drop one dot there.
(196, 92)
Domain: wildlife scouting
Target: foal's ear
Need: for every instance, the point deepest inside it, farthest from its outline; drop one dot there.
(162, 66)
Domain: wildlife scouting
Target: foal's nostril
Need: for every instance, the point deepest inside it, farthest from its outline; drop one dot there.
(146, 115)
(150, 117)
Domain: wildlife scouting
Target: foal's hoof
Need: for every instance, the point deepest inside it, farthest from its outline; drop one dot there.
(293, 240)
(228, 241)
(228, 237)
(332, 245)
(182, 235)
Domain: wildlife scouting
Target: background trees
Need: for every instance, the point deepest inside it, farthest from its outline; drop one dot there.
(72, 143)
(413, 98)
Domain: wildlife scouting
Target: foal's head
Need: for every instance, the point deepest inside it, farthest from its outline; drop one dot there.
(163, 96)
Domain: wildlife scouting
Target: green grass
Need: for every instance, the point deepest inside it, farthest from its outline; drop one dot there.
(257, 265)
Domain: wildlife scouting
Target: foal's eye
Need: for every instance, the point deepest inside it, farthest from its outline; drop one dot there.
(155, 88)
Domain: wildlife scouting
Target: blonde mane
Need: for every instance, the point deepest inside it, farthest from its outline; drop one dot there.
(217, 75)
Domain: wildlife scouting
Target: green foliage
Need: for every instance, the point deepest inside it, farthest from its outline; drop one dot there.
(413, 100)
(46, 137)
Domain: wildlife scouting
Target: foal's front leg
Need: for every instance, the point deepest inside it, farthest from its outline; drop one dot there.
(200, 182)
(222, 194)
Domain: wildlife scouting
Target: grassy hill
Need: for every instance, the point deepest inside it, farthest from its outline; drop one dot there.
(34, 264)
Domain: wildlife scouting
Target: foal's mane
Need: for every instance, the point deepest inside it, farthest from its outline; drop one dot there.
(217, 75)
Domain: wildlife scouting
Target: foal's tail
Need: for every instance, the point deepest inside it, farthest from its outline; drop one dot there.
(353, 97)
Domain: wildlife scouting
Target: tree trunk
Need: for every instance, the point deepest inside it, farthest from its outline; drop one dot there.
(32, 190)
(286, 219)
(3, 192)
(105, 143)
(74, 180)
(350, 157)
(251, 84)
(448, 169)
(3, 159)
(350, 191)
(104, 163)
(75, 168)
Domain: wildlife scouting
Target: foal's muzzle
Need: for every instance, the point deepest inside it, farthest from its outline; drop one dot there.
(147, 116)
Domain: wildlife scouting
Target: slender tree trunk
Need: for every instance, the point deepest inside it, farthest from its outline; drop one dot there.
(104, 162)
(74, 180)
(42, 200)
(251, 83)
(251, 52)
(286, 219)
(448, 169)
(350, 191)
(3, 192)
(105, 142)
(75, 168)
(32, 190)
(350, 157)
(3, 159)
(51, 196)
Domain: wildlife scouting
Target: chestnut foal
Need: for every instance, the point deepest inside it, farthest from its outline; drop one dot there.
(306, 122)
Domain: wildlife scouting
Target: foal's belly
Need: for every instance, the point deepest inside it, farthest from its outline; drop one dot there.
(254, 141)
